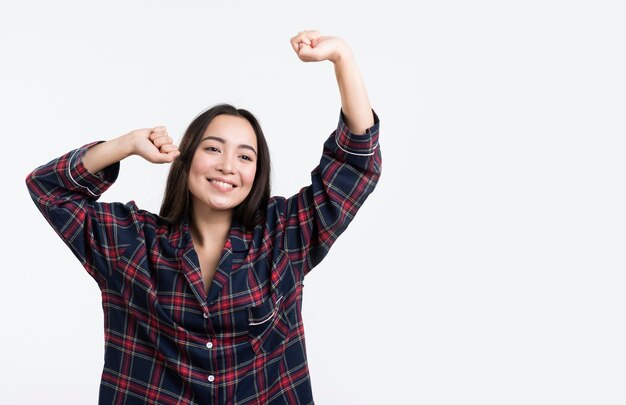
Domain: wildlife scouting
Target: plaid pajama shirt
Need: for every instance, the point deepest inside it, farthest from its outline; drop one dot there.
(166, 341)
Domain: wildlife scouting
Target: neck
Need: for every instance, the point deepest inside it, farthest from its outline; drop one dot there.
(210, 227)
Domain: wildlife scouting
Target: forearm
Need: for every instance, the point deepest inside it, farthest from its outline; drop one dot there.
(354, 101)
(107, 153)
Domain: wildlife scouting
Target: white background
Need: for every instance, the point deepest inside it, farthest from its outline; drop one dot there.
(488, 266)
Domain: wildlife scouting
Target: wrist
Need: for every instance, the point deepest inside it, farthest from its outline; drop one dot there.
(127, 145)
(343, 55)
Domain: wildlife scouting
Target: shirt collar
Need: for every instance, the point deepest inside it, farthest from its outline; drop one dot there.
(240, 239)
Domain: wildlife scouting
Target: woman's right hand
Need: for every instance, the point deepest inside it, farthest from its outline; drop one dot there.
(154, 145)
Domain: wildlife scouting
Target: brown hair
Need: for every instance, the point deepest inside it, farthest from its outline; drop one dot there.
(176, 205)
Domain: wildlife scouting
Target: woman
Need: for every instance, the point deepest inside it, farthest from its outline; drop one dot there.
(202, 303)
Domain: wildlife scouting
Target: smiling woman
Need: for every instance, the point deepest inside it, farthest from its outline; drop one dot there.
(203, 303)
(218, 171)
(218, 122)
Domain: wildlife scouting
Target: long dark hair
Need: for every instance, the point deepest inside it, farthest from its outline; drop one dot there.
(176, 205)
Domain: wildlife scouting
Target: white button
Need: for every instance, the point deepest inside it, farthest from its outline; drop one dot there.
(205, 315)
(209, 345)
(210, 378)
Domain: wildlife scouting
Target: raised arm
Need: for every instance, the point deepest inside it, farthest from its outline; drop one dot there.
(66, 191)
(349, 168)
(311, 46)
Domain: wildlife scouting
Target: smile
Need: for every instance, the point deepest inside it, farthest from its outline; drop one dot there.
(222, 184)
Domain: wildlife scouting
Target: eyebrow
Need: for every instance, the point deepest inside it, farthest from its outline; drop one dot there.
(222, 140)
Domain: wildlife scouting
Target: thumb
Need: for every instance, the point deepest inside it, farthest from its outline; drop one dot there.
(168, 157)
(305, 51)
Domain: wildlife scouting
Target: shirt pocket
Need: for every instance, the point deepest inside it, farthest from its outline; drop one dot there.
(271, 322)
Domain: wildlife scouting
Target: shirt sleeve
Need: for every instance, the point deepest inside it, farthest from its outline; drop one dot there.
(348, 172)
(66, 193)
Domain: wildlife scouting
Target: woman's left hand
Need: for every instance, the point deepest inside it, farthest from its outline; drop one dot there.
(311, 46)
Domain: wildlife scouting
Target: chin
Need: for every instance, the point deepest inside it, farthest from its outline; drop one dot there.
(222, 206)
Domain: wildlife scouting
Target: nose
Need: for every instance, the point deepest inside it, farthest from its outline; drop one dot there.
(226, 165)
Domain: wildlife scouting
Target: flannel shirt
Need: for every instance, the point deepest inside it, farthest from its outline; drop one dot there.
(166, 341)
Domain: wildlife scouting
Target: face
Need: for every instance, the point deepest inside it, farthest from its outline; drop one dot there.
(224, 165)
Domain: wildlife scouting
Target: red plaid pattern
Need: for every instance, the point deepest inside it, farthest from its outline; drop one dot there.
(168, 342)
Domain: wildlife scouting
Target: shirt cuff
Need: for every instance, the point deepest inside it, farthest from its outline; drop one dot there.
(353, 144)
(95, 184)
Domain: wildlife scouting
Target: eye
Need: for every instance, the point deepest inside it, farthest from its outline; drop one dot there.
(211, 149)
(246, 157)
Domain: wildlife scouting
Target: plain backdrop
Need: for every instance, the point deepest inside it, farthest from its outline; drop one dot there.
(488, 267)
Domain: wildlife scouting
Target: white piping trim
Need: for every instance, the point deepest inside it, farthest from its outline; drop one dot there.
(69, 172)
(356, 154)
(269, 317)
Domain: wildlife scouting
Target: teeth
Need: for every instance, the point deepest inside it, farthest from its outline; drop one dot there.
(221, 184)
